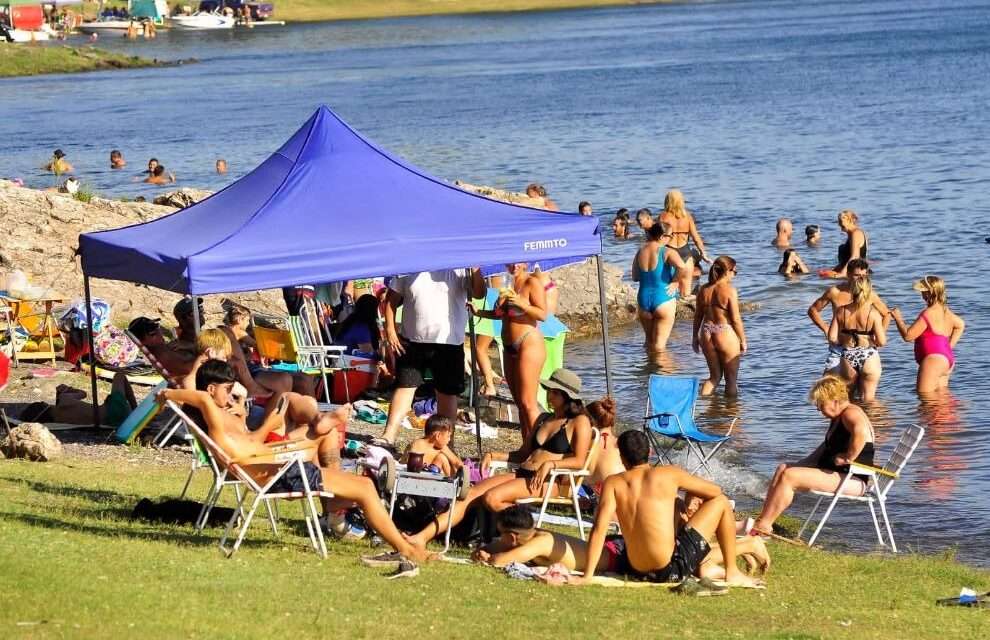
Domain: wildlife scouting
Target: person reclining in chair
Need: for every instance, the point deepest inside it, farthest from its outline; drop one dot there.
(212, 398)
(652, 548)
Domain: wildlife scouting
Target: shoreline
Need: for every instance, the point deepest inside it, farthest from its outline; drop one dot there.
(307, 11)
(18, 61)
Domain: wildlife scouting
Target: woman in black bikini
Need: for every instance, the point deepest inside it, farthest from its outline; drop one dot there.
(521, 306)
(849, 438)
(858, 328)
(855, 246)
(683, 228)
(561, 440)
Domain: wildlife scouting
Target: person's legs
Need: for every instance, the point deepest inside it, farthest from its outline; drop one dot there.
(360, 490)
(869, 377)
(687, 273)
(714, 364)
(663, 323)
(482, 346)
(728, 347)
(848, 373)
(123, 386)
(715, 517)
(401, 403)
(277, 381)
(505, 495)
(304, 384)
(533, 353)
(793, 479)
(646, 321)
(933, 373)
(460, 507)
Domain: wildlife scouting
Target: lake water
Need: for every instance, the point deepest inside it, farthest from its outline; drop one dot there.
(756, 110)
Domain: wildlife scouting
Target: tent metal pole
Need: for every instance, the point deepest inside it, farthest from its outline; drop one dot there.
(604, 311)
(196, 318)
(92, 352)
(474, 383)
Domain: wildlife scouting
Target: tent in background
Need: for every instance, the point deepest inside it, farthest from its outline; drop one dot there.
(328, 206)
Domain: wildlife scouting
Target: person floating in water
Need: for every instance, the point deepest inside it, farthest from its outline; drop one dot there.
(935, 334)
(160, 176)
(784, 231)
(812, 235)
(221, 166)
(117, 159)
(792, 264)
(620, 224)
(58, 164)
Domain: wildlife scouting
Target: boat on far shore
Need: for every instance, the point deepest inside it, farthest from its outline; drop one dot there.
(202, 21)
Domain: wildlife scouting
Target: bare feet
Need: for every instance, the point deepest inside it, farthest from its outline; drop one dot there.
(707, 388)
(736, 578)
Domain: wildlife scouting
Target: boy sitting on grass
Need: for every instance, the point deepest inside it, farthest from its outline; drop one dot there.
(432, 452)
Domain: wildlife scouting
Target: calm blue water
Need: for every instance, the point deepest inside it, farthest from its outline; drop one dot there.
(755, 110)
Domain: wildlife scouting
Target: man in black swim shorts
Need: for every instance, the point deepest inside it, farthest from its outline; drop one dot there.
(644, 499)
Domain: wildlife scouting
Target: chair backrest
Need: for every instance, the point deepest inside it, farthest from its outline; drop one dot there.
(275, 344)
(910, 438)
(213, 450)
(152, 360)
(671, 399)
(593, 450)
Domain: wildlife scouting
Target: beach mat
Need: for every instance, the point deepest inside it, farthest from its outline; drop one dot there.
(144, 375)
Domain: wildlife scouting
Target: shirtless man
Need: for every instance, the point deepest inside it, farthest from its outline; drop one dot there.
(839, 296)
(160, 176)
(644, 499)
(176, 357)
(214, 382)
(644, 219)
(520, 541)
(784, 231)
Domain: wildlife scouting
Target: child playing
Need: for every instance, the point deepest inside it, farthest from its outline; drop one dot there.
(432, 452)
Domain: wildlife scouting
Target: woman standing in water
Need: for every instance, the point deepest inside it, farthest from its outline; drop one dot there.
(935, 334)
(859, 329)
(718, 327)
(855, 246)
(682, 228)
(656, 268)
(520, 306)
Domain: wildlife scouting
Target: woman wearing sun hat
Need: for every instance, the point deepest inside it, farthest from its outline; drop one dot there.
(935, 334)
(561, 440)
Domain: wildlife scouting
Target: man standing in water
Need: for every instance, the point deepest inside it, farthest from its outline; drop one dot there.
(839, 296)
(644, 499)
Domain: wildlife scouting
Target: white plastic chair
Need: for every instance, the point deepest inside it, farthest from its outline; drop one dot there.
(575, 478)
(879, 483)
(231, 471)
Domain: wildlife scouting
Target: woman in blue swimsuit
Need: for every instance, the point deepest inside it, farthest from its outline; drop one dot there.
(656, 270)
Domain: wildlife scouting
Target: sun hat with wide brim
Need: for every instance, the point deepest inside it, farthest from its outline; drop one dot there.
(564, 380)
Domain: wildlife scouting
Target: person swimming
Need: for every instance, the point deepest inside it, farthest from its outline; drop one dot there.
(792, 264)
(812, 235)
(784, 231)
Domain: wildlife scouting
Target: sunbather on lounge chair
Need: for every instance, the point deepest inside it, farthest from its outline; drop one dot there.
(644, 499)
(176, 357)
(71, 407)
(214, 382)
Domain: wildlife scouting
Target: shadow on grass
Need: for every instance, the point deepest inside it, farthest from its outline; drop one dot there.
(70, 491)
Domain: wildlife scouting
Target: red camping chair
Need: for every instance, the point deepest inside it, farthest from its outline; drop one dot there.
(4, 370)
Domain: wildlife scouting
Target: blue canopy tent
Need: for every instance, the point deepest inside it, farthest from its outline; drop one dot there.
(330, 205)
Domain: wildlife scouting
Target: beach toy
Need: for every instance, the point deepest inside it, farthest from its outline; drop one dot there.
(138, 419)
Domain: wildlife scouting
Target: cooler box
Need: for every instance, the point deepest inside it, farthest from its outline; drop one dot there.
(27, 17)
(359, 371)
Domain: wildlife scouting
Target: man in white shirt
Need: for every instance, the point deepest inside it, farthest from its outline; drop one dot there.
(434, 316)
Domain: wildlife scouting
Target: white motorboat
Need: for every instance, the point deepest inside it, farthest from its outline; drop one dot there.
(201, 21)
(105, 26)
(24, 35)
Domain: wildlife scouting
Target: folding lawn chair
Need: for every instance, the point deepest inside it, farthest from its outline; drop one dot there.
(878, 485)
(172, 424)
(670, 406)
(575, 478)
(284, 456)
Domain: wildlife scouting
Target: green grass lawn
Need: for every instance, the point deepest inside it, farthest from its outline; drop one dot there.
(72, 564)
(28, 60)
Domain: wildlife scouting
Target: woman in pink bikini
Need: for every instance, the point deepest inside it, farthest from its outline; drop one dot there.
(935, 334)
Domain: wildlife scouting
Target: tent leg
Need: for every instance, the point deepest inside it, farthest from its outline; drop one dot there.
(474, 383)
(196, 318)
(604, 311)
(92, 352)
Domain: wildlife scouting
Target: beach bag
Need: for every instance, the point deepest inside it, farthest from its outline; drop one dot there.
(113, 348)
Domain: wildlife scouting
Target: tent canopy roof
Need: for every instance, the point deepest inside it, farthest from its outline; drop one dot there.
(328, 206)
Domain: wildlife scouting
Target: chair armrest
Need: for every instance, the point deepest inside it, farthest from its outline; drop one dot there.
(874, 470)
(577, 473)
(275, 457)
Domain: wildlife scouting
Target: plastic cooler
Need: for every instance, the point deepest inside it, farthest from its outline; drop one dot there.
(359, 371)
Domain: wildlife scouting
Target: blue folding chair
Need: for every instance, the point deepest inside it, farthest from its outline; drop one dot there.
(670, 413)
